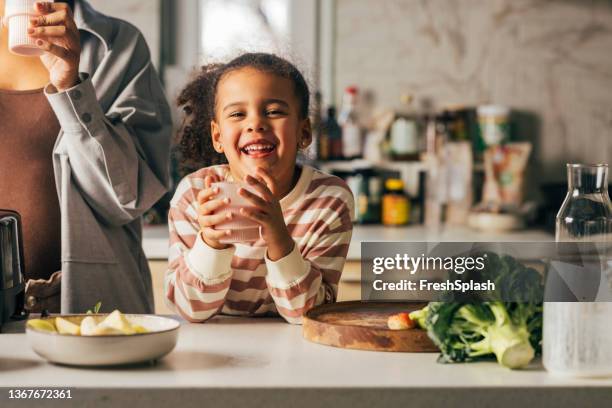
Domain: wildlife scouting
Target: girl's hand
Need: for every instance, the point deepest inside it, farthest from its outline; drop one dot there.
(57, 34)
(207, 205)
(268, 214)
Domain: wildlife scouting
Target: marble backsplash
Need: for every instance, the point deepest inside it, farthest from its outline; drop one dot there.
(550, 60)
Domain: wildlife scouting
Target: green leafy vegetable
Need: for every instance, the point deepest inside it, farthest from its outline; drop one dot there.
(509, 330)
(420, 316)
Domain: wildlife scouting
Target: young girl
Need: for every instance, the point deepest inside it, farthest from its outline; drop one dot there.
(253, 112)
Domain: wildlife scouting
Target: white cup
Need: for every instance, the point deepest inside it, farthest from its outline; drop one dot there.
(243, 229)
(17, 14)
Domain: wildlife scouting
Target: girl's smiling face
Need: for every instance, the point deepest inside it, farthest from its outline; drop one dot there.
(258, 124)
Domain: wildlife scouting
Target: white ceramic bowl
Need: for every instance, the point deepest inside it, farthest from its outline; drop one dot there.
(494, 222)
(107, 349)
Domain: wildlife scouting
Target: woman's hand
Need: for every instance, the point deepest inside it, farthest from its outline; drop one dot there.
(207, 205)
(268, 214)
(57, 34)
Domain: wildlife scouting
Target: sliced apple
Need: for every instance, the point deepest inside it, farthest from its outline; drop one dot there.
(140, 329)
(67, 327)
(119, 322)
(42, 324)
(104, 330)
(88, 326)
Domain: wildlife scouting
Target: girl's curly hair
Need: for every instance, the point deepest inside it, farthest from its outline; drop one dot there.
(198, 98)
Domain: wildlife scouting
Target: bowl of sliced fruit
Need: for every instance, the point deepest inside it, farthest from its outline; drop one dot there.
(102, 339)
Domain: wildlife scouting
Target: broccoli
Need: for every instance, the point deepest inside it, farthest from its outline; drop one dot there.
(512, 331)
(420, 317)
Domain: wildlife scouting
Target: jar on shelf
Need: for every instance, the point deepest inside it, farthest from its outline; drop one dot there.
(494, 124)
(395, 203)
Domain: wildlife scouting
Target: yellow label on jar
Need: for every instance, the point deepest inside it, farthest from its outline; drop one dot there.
(395, 209)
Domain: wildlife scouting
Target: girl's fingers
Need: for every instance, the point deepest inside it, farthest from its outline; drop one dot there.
(254, 198)
(261, 188)
(267, 179)
(254, 215)
(214, 219)
(47, 31)
(214, 234)
(209, 180)
(206, 194)
(211, 206)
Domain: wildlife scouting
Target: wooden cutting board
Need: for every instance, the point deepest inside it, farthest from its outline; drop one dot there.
(363, 326)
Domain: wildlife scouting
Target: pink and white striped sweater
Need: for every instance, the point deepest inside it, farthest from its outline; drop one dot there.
(241, 280)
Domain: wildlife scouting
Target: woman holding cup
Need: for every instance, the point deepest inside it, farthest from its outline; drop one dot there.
(86, 131)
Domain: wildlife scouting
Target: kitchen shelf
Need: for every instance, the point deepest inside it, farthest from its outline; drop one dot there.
(351, 165)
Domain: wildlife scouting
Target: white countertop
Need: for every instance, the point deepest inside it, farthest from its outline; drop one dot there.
(155, 238)
(269, 354)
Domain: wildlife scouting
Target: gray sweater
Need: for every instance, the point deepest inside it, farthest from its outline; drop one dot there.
(111, 165)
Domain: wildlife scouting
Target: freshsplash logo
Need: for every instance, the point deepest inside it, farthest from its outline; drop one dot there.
(413, 264)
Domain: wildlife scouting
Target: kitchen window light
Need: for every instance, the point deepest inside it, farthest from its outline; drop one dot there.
(232, 26)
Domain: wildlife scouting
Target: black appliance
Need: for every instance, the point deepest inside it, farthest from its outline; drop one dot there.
(12, 284)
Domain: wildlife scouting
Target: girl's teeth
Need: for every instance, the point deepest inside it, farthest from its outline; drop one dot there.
(253, 148)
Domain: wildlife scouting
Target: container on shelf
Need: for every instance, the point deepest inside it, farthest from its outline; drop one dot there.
(494, 124)
(368, 199)
(404, 139)
(395, 203)
(330, 138)
(578, 335)
(352, 137)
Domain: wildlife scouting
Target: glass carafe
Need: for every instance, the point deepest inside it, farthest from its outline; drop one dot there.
(578, 335)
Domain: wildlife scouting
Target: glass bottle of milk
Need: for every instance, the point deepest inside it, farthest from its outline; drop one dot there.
(578, 335)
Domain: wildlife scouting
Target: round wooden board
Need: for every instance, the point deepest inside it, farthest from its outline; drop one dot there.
(363, 326)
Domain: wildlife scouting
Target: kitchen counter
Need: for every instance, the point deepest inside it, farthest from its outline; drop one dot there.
(155, 238)
(251, 362)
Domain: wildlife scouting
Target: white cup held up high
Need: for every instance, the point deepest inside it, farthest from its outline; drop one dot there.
(17, 14)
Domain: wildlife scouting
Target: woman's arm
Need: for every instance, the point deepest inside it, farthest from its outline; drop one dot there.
(198, 276)
(118, 158)
(116, 133)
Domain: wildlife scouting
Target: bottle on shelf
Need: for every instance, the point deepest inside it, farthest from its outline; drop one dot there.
(455, 119)
(395, 203)
(330, 142)
(368, 197)
(352, 143)
(436, 185)
(417, 203)
(404, 134)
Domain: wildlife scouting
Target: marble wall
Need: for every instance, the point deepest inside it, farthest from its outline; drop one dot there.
(550, 60)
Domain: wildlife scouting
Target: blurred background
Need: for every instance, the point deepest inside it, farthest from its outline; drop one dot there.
(436, 112)
(451, 120)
